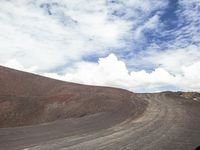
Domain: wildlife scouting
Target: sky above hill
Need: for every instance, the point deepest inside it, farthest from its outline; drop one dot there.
(142, 46)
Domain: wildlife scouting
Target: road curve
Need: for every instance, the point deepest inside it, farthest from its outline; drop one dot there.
(169, 122)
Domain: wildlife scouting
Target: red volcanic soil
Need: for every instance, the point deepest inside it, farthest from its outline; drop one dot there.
(27, 99)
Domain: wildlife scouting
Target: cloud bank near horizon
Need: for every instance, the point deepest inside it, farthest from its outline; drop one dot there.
(143, 46)
(110, 71)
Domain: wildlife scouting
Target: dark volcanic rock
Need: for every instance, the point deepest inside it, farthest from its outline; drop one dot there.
(27, 99)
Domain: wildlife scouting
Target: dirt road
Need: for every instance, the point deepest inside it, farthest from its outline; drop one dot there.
(168, 123)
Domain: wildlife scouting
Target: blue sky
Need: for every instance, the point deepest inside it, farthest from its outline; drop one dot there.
(142, 46)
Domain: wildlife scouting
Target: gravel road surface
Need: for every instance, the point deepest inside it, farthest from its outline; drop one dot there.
(169, 122)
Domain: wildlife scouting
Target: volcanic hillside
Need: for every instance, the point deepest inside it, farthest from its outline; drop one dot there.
(27, 99)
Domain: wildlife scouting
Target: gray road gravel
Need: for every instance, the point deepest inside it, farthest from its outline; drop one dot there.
(168, 123)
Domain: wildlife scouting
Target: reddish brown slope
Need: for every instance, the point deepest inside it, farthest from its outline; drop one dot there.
(27, 99)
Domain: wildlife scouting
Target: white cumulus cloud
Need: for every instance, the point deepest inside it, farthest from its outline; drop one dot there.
(110, 71)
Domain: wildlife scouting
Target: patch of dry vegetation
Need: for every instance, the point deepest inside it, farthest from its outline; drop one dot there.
(191, 95)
